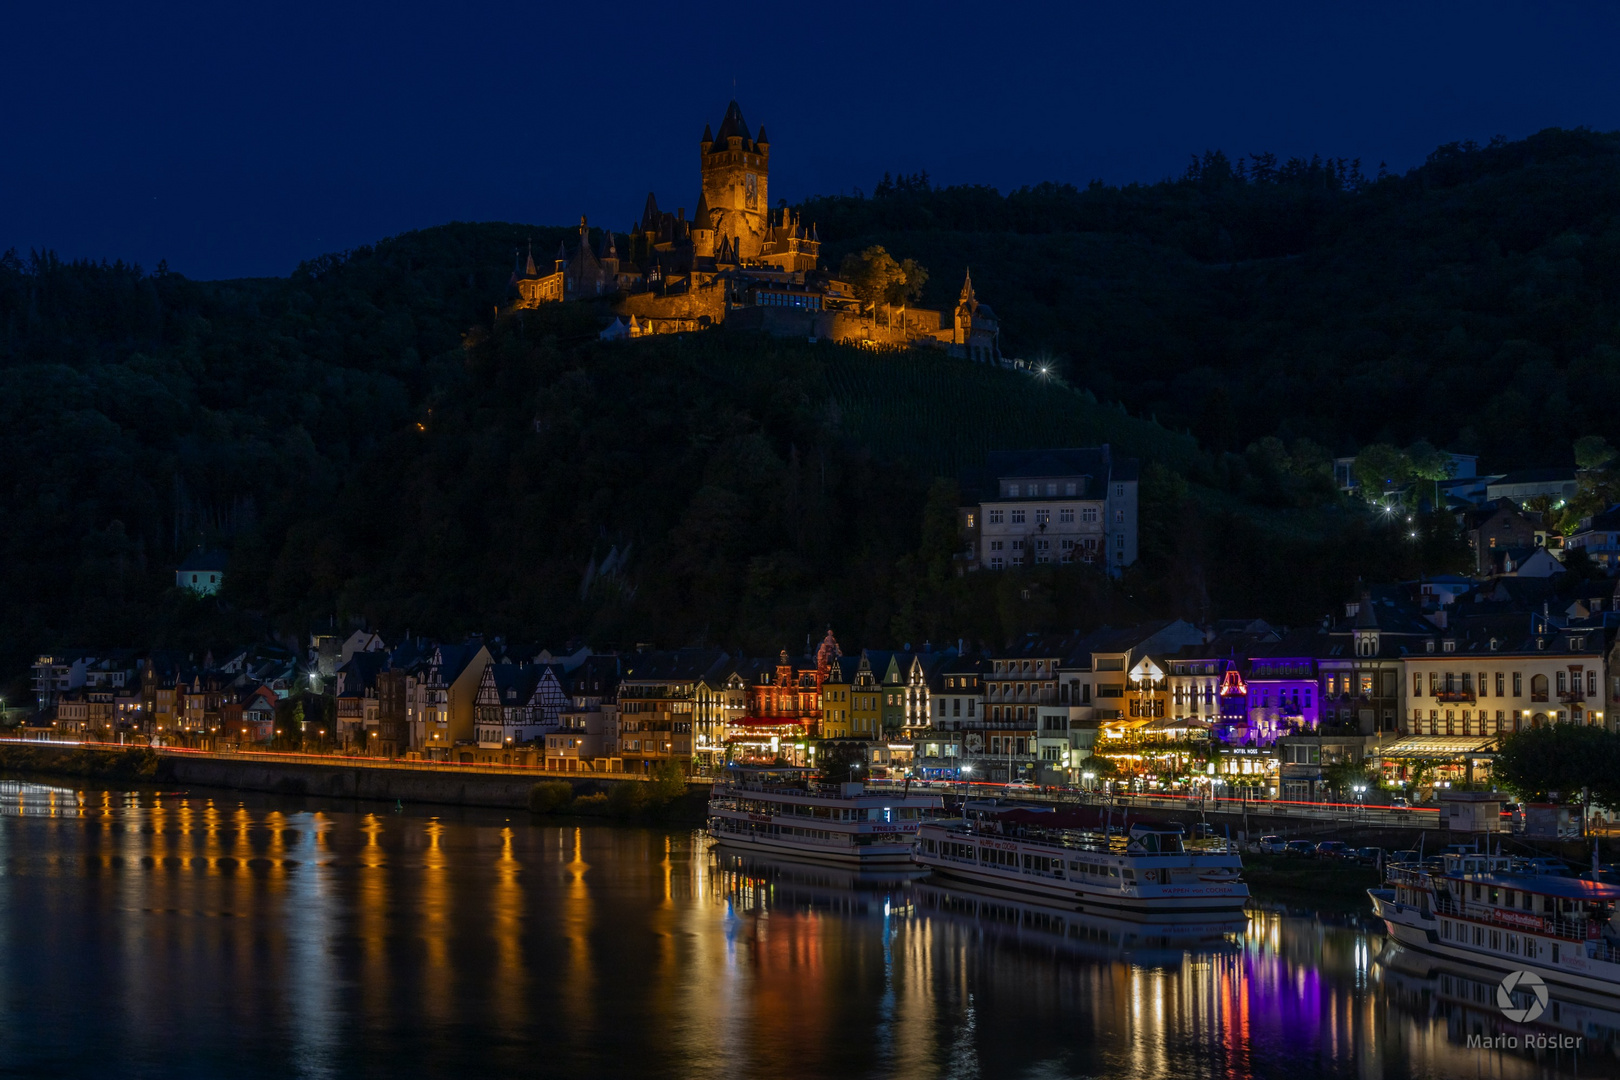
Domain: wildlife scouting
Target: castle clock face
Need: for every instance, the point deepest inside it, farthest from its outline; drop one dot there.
(751, 191)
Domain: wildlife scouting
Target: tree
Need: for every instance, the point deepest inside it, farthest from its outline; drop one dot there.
(840, 761)
(1379, 469)
(1428, 463)
(878, 279)
(1563, 758)
(1593, 452)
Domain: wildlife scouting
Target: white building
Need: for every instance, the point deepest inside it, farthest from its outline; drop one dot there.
(1052, 506)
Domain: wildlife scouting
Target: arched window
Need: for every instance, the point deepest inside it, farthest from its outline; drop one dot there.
(1538, 688)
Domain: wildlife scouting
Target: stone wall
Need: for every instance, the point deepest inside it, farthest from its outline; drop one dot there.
(706, 301)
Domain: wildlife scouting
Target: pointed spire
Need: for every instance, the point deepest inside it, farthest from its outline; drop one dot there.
(701, 216)
(708, 136)
(967, 287)
(763, 140)
(530, 271)
(733, 125)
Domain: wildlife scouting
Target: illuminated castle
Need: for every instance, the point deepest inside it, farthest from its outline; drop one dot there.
(736, 261)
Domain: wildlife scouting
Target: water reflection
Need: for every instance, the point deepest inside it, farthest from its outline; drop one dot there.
(206, 935)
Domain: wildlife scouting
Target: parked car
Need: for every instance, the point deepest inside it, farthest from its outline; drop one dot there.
(1302, 848)
(1273, 845)
(1334, 849)
(1370, 855)
(1508, 810)
(1403, 857)
(1399, 804)
(1203, 830)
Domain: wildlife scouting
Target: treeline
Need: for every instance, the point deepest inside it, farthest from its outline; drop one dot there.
(1303, 300)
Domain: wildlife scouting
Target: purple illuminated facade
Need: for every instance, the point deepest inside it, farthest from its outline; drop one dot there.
(1284, 698)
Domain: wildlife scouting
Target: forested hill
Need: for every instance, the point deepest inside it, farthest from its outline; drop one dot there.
(1474, 301)
(366, 439)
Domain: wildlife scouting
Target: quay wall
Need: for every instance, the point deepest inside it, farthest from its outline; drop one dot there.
(448, 785)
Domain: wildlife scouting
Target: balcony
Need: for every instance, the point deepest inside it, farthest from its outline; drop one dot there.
(1571, 697)
(1464, 697)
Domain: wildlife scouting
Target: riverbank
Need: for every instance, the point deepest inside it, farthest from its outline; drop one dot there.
(620, 798)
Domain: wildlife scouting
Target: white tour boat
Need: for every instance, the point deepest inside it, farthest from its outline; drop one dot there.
(1150, 873)
(782, 811)
(1496, 912)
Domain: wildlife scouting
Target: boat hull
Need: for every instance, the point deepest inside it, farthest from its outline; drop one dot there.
(895, 856)
(1415, 930)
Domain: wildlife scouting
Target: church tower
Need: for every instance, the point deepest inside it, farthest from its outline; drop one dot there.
(736, 168)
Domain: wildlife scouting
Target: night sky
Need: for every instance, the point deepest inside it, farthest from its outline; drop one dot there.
(237, 139)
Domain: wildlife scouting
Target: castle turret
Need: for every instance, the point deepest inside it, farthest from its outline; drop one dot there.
(703, 229)
(561, 258)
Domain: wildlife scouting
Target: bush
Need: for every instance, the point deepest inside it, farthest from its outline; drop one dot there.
(626, 798)
(551, 797)
(592, 805)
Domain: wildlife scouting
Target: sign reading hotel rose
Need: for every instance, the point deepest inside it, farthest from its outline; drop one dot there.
(758, 817)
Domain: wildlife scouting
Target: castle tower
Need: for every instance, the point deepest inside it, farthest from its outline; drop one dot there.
(736, 169)
(703, 229)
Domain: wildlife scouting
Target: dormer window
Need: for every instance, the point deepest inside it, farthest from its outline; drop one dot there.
(1449, 646)
(1429, 645)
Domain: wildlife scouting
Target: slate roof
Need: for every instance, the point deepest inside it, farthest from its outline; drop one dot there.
(733, 124)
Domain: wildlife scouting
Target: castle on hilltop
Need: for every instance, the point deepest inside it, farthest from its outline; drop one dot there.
(736, 261)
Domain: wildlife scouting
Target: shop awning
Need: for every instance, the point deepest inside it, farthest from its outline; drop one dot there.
(1439, 746)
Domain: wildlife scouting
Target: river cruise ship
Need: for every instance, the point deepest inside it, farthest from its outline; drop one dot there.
(1148, 873)
(782, 811)
(1493, 911)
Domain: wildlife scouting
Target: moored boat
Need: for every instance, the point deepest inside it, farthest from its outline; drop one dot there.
(1492, 911)
(783, 811)
(1150, 873)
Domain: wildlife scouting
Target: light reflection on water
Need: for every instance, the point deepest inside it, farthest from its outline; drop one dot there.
(209, 934)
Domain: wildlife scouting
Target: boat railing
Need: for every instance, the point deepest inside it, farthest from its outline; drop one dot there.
(1530, 922)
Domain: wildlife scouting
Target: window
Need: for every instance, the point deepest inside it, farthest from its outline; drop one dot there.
(1518, 684)
(970, 521)
(1119, 491)
(1043, 517)
(995, 545)
(1018, 545)
(1119, 517)
(1068, 488)
(1119, 540)
(1051, 489)
(1012, 490)
(1562, 680)
(995, 517)
(1417, 684)
(1591, 684)
(1500, 679)
(1484, 688)
(1066, 517)
(1538, 686)
(995, 562)
(1017, 517)
(1089, 515)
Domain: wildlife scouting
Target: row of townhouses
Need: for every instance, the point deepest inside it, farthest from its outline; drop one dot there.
(1416, 682)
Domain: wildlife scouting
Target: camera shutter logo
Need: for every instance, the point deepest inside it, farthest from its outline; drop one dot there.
(1527, 982)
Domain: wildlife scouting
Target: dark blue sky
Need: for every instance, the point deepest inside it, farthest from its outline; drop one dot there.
(237, 139)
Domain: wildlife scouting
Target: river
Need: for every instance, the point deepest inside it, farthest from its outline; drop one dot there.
(215, 934)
